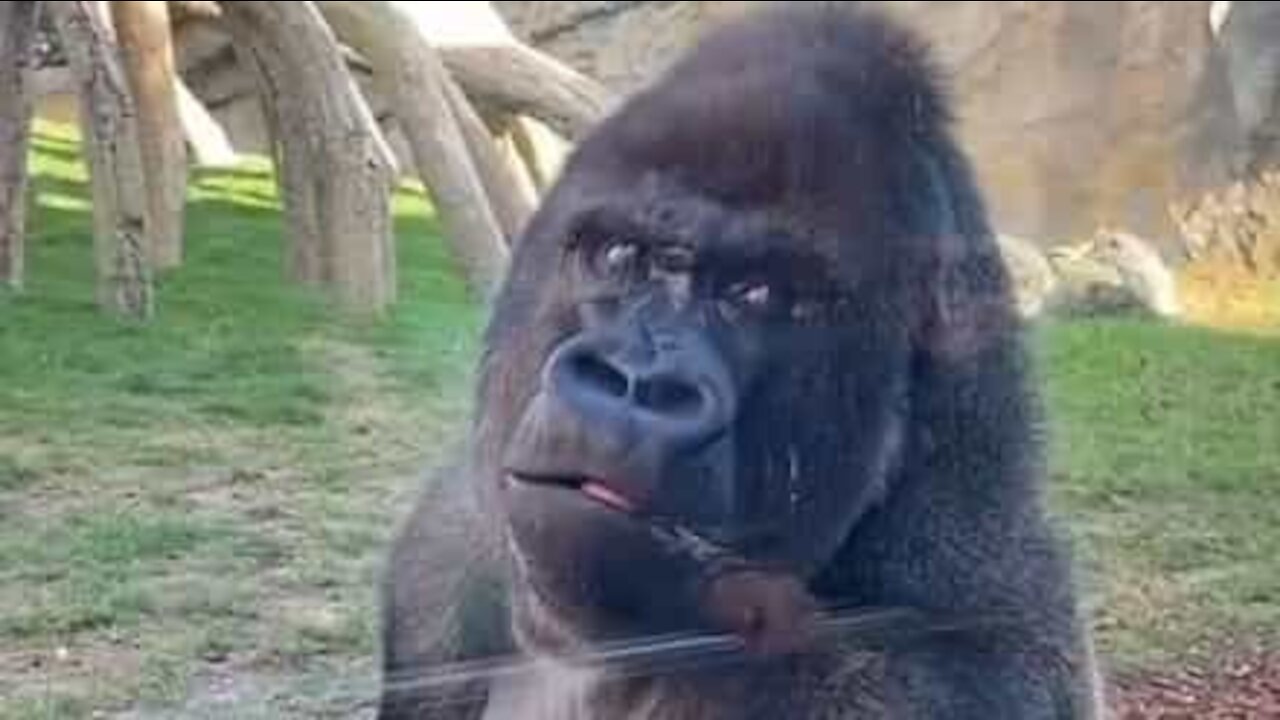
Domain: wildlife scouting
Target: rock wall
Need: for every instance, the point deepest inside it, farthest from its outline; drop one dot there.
(1250, 39)
(1078, 114)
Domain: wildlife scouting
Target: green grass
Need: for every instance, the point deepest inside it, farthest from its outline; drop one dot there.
(218, 482)
(95, 569)
(192, 511)
(1166, 461)
(230, 340)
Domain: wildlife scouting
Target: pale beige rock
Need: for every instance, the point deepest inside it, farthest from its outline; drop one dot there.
(1078, 115)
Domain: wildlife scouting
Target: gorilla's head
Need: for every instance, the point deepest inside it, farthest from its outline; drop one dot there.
(701, 370)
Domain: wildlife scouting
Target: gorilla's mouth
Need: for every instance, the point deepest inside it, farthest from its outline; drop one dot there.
(656, 574)
(600, 491)
(679, 538)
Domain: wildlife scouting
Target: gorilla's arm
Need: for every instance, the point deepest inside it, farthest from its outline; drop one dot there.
(443, 604)
(985, 683)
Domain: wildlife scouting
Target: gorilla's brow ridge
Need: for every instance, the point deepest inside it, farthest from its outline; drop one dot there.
(754, 244)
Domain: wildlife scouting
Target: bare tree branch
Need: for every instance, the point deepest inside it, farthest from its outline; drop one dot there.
(110, 121)
(337, 170)
(206, 137)
(408, 72)
(17, 30)
(147, 49)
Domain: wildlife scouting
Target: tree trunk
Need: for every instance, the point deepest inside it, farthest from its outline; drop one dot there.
(336, 168)
(502, 73)
(542, 150)
(302, 256)
(208, 141)
(110, 121)
(147, 49)
(496, 69)
(17, 29)
(183, 10)
(412, 78)
(504, 129)
(510, 193)
(523, 81)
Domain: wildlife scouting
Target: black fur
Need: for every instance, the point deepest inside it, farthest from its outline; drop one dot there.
(895, 439)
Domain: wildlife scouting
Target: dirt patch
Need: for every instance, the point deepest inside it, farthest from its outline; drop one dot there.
(219, 692)
(110, 666)
(1244, 685)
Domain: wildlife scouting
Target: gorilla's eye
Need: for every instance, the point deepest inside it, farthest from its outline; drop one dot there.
(621, 254)
(617, 258)
(755, 295)
(779, 302)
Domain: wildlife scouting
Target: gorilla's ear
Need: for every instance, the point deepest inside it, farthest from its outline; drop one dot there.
(963, 301)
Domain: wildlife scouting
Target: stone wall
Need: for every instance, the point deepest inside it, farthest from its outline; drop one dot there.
(1078, 114)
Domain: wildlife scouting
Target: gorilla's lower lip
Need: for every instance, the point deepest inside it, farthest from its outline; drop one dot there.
(606, 495)
(597, 490)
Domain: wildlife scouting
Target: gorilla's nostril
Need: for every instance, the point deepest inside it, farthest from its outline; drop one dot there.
(669, 396)
(599, 375)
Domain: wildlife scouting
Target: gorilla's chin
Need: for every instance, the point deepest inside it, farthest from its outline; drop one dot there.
(589, 560)
(621, 576)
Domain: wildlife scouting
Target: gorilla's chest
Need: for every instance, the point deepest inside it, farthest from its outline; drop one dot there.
(550, 691)
(556, 692)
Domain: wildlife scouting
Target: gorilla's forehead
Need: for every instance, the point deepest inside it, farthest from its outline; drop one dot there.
(664, 210)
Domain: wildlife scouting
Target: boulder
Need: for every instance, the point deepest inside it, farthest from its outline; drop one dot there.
(1114, 273)
(1034, 280)
(1142, 271)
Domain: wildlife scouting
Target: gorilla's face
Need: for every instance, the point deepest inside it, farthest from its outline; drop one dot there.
(719, 395)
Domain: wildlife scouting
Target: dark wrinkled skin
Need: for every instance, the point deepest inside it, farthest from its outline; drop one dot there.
(755, 364)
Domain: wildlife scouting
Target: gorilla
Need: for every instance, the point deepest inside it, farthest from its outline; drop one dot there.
(755, 435)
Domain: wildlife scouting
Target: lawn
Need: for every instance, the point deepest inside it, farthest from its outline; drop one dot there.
(192, 512)
(1166, 466)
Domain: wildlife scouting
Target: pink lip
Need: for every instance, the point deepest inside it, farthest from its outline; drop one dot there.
(607, 496)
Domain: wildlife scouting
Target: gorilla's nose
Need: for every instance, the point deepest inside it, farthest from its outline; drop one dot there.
(663, 394)
(675, 396)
